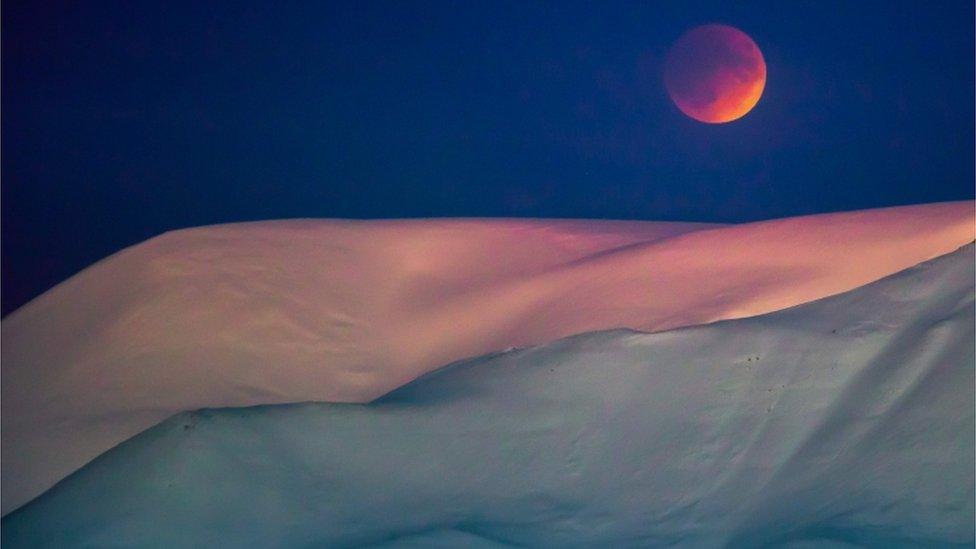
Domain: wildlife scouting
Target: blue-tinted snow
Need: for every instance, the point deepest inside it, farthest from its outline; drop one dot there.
(844, 422)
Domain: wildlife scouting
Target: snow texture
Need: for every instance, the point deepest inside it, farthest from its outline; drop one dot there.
(345, 311)
(848, 421)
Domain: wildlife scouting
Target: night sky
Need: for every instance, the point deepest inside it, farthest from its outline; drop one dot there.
(122, 120)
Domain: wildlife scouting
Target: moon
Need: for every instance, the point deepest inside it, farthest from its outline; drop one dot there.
(715, 73)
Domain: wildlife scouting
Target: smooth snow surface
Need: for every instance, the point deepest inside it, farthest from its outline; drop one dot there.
(343, 311)
(844, 422)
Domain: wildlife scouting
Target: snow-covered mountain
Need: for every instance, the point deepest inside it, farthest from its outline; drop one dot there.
(343, 311)
(848, 421)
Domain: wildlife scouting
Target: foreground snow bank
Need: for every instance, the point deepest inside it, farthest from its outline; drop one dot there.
(849, 420)
(291, 311)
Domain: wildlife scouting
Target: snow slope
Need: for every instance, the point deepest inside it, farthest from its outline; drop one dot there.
(846, 421)
(292, 311)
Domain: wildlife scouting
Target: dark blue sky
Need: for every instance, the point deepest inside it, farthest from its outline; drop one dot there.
(122, 120)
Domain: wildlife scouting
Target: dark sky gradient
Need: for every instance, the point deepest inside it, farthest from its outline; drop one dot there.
(122, 120)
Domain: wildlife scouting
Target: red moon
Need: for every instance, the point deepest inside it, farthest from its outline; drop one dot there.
(715, 73)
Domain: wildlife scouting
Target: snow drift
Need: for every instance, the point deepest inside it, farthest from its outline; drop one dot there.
(849, 420)
(344, 311)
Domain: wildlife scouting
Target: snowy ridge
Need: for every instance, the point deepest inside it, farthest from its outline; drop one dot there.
(845, 421)
(344, 311)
